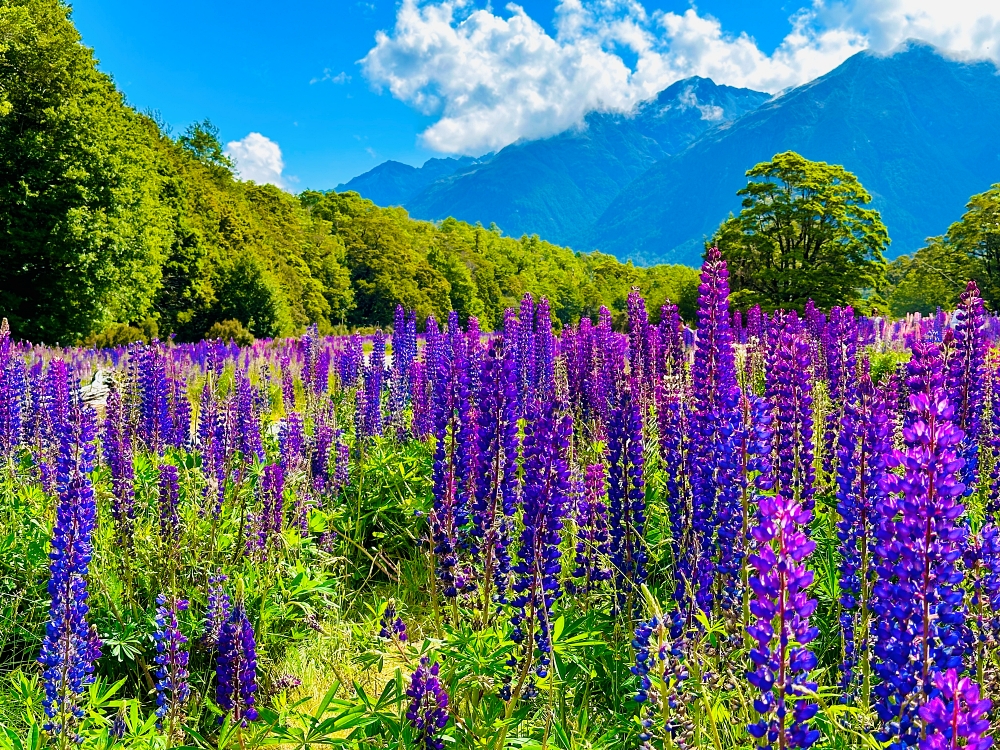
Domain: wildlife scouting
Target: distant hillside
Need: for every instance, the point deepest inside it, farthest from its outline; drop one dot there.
(393, 183)
(558, 187)
(918, 129)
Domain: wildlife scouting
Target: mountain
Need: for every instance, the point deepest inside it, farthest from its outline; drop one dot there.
(393, 183)
(558, 187)
(918, 129)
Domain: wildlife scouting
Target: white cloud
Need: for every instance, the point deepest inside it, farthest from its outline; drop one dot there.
(258, 158)
(339, 78)
(491, 78)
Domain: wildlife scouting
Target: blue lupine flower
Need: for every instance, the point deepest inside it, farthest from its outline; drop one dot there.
(71, 645)
(172, 688)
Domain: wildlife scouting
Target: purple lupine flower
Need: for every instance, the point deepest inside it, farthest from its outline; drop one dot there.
(172, 688)
(180, 414)
(248, 419)
(374, 376)
(591, 521)
(218, 611)
(527, 376)
(643, 342)
(545, 506)
(310, 359)
(156, 426)
(673, 419)
(955, 717)
(322, 441)
(272, 520)
(236, 668)
(13, 384)
(791, 402)
(118, 455)
(627, 497)
(716, 548)
(966, 380)
(661, 677)
(428, 710)
(782, 632)
(918, 621)
(982, 561)
(291, 442)
(672, 352)
(391, 626)
(71, 645)
(169, 501)
(864, 444)
(351, 361)
(545, 352)
(779, 578)
(287, 383)
(840, 350)
(421, 424)
(449, 515)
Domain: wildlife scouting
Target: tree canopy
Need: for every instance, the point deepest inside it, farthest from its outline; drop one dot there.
(805, 232)
(936, 274)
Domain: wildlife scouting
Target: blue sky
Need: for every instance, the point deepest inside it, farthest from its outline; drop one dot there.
(451, 76)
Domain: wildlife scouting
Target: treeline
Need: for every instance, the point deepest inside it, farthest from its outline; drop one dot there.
(111, 228)
(936, 275)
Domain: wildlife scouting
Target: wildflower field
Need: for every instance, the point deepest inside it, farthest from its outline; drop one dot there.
(761, 531)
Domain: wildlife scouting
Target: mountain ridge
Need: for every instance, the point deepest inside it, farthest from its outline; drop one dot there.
(652, 185)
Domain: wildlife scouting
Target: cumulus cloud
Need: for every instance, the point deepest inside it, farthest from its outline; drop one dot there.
(491, 78)
(258, 158)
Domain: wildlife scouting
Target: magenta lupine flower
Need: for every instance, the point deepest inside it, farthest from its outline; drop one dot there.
(956, 717)
(780, 580)
(71, 645)
(917, 600)
(428, 709)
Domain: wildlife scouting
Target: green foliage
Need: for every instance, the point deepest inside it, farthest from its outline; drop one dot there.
(123, 334)
(230, 330)
(804, 233)
(977, 236)
(82, 231)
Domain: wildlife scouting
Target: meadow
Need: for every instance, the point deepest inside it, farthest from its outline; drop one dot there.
(771, 530)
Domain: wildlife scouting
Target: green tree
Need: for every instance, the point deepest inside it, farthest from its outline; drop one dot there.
(977, 236)
(805, 232)
(82, 232)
